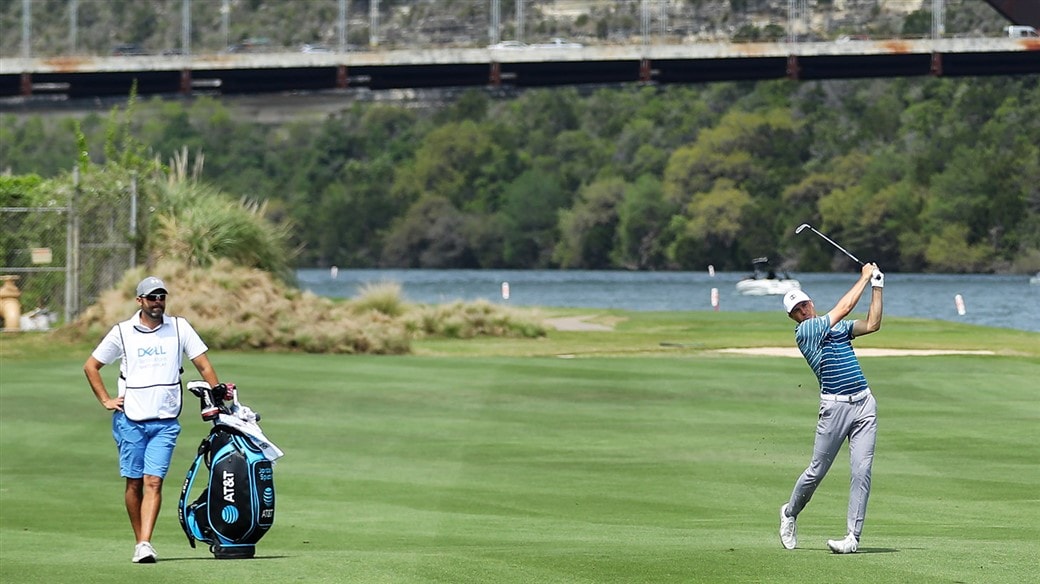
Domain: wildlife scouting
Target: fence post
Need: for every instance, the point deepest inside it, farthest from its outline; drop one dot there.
(133, 220)
(72, 252)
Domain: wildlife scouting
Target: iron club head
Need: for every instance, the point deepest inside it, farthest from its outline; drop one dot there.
(801, 228)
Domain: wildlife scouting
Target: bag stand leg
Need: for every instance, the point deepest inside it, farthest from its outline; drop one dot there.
(233, 552)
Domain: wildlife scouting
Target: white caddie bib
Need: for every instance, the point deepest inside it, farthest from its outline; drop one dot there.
(149, 379)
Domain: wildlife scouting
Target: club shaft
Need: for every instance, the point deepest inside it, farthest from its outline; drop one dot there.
(831, 241)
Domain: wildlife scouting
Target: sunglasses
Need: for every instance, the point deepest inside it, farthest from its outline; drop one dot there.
(154, 297)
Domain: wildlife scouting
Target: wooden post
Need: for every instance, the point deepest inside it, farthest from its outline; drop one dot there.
(794, 70)
(186, 81)
(645, 72)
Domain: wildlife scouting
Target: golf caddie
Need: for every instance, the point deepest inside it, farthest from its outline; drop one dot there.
(151, 346)
(847, 407)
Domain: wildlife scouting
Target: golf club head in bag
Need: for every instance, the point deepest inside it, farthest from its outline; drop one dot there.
(210, 399)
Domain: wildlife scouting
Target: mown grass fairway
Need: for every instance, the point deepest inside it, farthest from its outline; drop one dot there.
(624, 462)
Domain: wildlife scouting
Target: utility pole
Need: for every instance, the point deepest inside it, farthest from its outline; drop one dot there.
(662, 18)
(342, 25)
(73, 25)
(186, 27)
(373, 23)
(797, 19)
(494, 24)
(225, 18)
(644, 21)
(26, 28)
(519, 20)
(938, 19)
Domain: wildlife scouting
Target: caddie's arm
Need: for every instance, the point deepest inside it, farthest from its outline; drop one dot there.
(206, 369)
(851, 298)
(873, 322)
(92, 368)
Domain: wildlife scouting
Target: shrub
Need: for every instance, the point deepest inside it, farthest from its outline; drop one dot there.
(382, 297)
(234, 307)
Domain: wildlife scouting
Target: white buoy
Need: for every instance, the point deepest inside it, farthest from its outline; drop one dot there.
(711, 270)
(959, 301)
(505, 290)
(334, 272)
(715, 298)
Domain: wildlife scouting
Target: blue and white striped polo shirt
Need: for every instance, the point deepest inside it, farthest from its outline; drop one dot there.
(828, 350)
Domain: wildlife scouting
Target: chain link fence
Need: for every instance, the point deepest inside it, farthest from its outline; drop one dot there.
(56, 260)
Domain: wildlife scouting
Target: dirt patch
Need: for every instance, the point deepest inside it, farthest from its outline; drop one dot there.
(864, 352)
(577, 323)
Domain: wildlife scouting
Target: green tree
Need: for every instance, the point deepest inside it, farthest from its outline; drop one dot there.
(528, 219)
(918, 24)
(711, 227)
(432, 234)
(950, 250)
(588, 230)
(748, 152)
(642, 219)
(456, 161)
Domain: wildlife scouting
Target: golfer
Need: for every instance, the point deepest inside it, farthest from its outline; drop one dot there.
(151, 346)
(847, 408)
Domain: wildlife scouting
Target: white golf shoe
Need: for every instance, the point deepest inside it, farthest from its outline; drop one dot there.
(144, 553)
(849, 545)
(788, 529)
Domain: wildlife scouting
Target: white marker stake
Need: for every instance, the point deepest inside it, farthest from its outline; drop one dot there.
(959, 301)
(505, 290)
(711, 270)
(715, 299)
(334, 272)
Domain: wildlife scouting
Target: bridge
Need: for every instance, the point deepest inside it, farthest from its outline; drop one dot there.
(23, 79)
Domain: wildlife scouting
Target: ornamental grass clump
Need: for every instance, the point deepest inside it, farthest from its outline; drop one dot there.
(382, 297)
(234, 307)
(464, 320)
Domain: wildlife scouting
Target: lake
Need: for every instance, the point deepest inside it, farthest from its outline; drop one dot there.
(993, 300)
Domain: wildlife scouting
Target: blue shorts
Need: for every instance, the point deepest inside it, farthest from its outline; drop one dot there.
(144, 447)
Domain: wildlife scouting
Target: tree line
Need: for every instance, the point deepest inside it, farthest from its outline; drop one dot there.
(933, 174)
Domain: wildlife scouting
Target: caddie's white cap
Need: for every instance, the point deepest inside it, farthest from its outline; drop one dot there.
(793, 298)
(150, 285)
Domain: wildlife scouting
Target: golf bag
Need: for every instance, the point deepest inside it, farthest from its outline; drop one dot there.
(236, 507)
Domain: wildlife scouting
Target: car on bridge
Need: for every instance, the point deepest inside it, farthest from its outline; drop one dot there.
(511, 45)
(558, 43)
(128, 50)
(1022, 32)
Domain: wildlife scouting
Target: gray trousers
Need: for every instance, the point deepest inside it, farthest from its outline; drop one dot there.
(856, 421)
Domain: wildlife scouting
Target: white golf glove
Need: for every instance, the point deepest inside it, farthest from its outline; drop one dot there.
(877, 279)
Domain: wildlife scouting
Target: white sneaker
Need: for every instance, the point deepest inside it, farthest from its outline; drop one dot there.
(788, 529)
(144, 553)
(849, 545)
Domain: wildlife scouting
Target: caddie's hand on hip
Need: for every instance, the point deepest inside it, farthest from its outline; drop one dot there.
(113, 404)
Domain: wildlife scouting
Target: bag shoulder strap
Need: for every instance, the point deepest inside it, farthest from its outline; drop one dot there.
(189, 479)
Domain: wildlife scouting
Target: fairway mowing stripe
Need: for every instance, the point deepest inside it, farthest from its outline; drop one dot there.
(860, 352)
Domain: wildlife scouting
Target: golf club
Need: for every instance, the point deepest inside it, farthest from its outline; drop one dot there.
(802, 227)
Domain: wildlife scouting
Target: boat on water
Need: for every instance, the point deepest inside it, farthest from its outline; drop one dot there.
(1035, 280)
(765, 281)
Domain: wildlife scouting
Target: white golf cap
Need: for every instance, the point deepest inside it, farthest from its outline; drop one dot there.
(794, 298)
(150, 285)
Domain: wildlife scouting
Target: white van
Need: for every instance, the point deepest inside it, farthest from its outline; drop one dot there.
(1022, 32)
